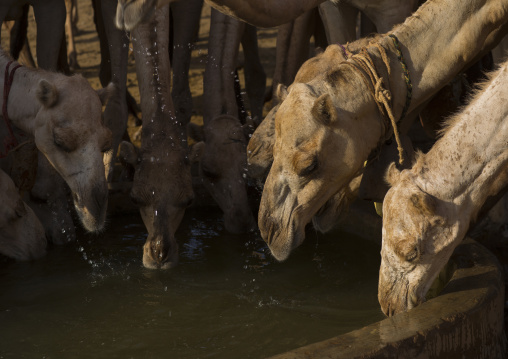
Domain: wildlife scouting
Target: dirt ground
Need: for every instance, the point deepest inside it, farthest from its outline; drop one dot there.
(88, 51)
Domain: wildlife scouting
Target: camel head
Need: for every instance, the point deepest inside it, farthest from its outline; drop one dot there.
(322, 131)
(162, 189)
(69, 132)
(223, 170)
(129, 13)
(418, 240)
(21, 234)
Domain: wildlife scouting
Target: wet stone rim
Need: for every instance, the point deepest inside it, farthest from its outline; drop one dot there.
(464, 321)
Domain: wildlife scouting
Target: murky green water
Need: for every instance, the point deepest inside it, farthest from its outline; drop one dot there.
(227, 299)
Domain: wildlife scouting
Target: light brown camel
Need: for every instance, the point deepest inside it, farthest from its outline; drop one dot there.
(339, 20)
(162, 186)
(327, 127)
(21, 234)
(67, 129)
(428, 209)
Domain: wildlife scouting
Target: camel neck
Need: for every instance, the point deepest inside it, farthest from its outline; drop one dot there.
(444, 37)
(468, 163)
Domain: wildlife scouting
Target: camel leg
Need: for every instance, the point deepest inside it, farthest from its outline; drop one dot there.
(186, 16)
(50, 18)
(339, 20)
(69, 30)
(218, 83)
(113, 69)
(255, 77)
(292, 48)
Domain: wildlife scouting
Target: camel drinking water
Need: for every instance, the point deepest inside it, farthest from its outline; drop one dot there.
(429, 208)
(326, 128)
(64, 116)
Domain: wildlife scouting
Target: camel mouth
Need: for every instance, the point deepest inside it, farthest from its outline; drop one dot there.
(398, 296)
(160, 254)
(282, 242)
(92, 209)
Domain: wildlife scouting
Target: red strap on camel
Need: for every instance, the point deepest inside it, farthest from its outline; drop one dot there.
(10, 141)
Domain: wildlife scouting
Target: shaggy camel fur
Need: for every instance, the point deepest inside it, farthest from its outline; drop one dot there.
(68, 130)
(162, 186)
(326, 128)
(429, 207)
(21, 234)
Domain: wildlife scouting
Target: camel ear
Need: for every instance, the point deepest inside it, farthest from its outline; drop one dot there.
(281, 92)
(127, 154)
(46, 93)
(106, 93)
(197, 151)
(424, 202)
(392, 174)
(324, 110)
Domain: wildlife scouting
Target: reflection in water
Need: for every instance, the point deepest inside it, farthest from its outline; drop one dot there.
(228, 298)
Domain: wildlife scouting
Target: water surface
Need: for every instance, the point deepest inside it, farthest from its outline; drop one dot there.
(227, 298)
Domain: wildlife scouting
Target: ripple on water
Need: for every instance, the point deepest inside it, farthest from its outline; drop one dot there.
(228, 298)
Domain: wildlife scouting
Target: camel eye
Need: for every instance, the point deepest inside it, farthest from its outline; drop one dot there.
(411, 256)
(61, 144)
(310, 168)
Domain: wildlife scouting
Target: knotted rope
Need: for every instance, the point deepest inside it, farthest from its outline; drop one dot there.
(362, 63)
(10, 142)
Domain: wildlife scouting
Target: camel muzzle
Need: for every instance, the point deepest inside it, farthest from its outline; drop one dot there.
(91, 208)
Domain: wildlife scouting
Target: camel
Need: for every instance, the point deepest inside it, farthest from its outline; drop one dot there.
(162, 186)
(67, 129)
(429, 208)
(336, 112)
(21, 234)
(339, 20)
(267, 13)
(113, 69)
(223, 166)
(223, 160)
